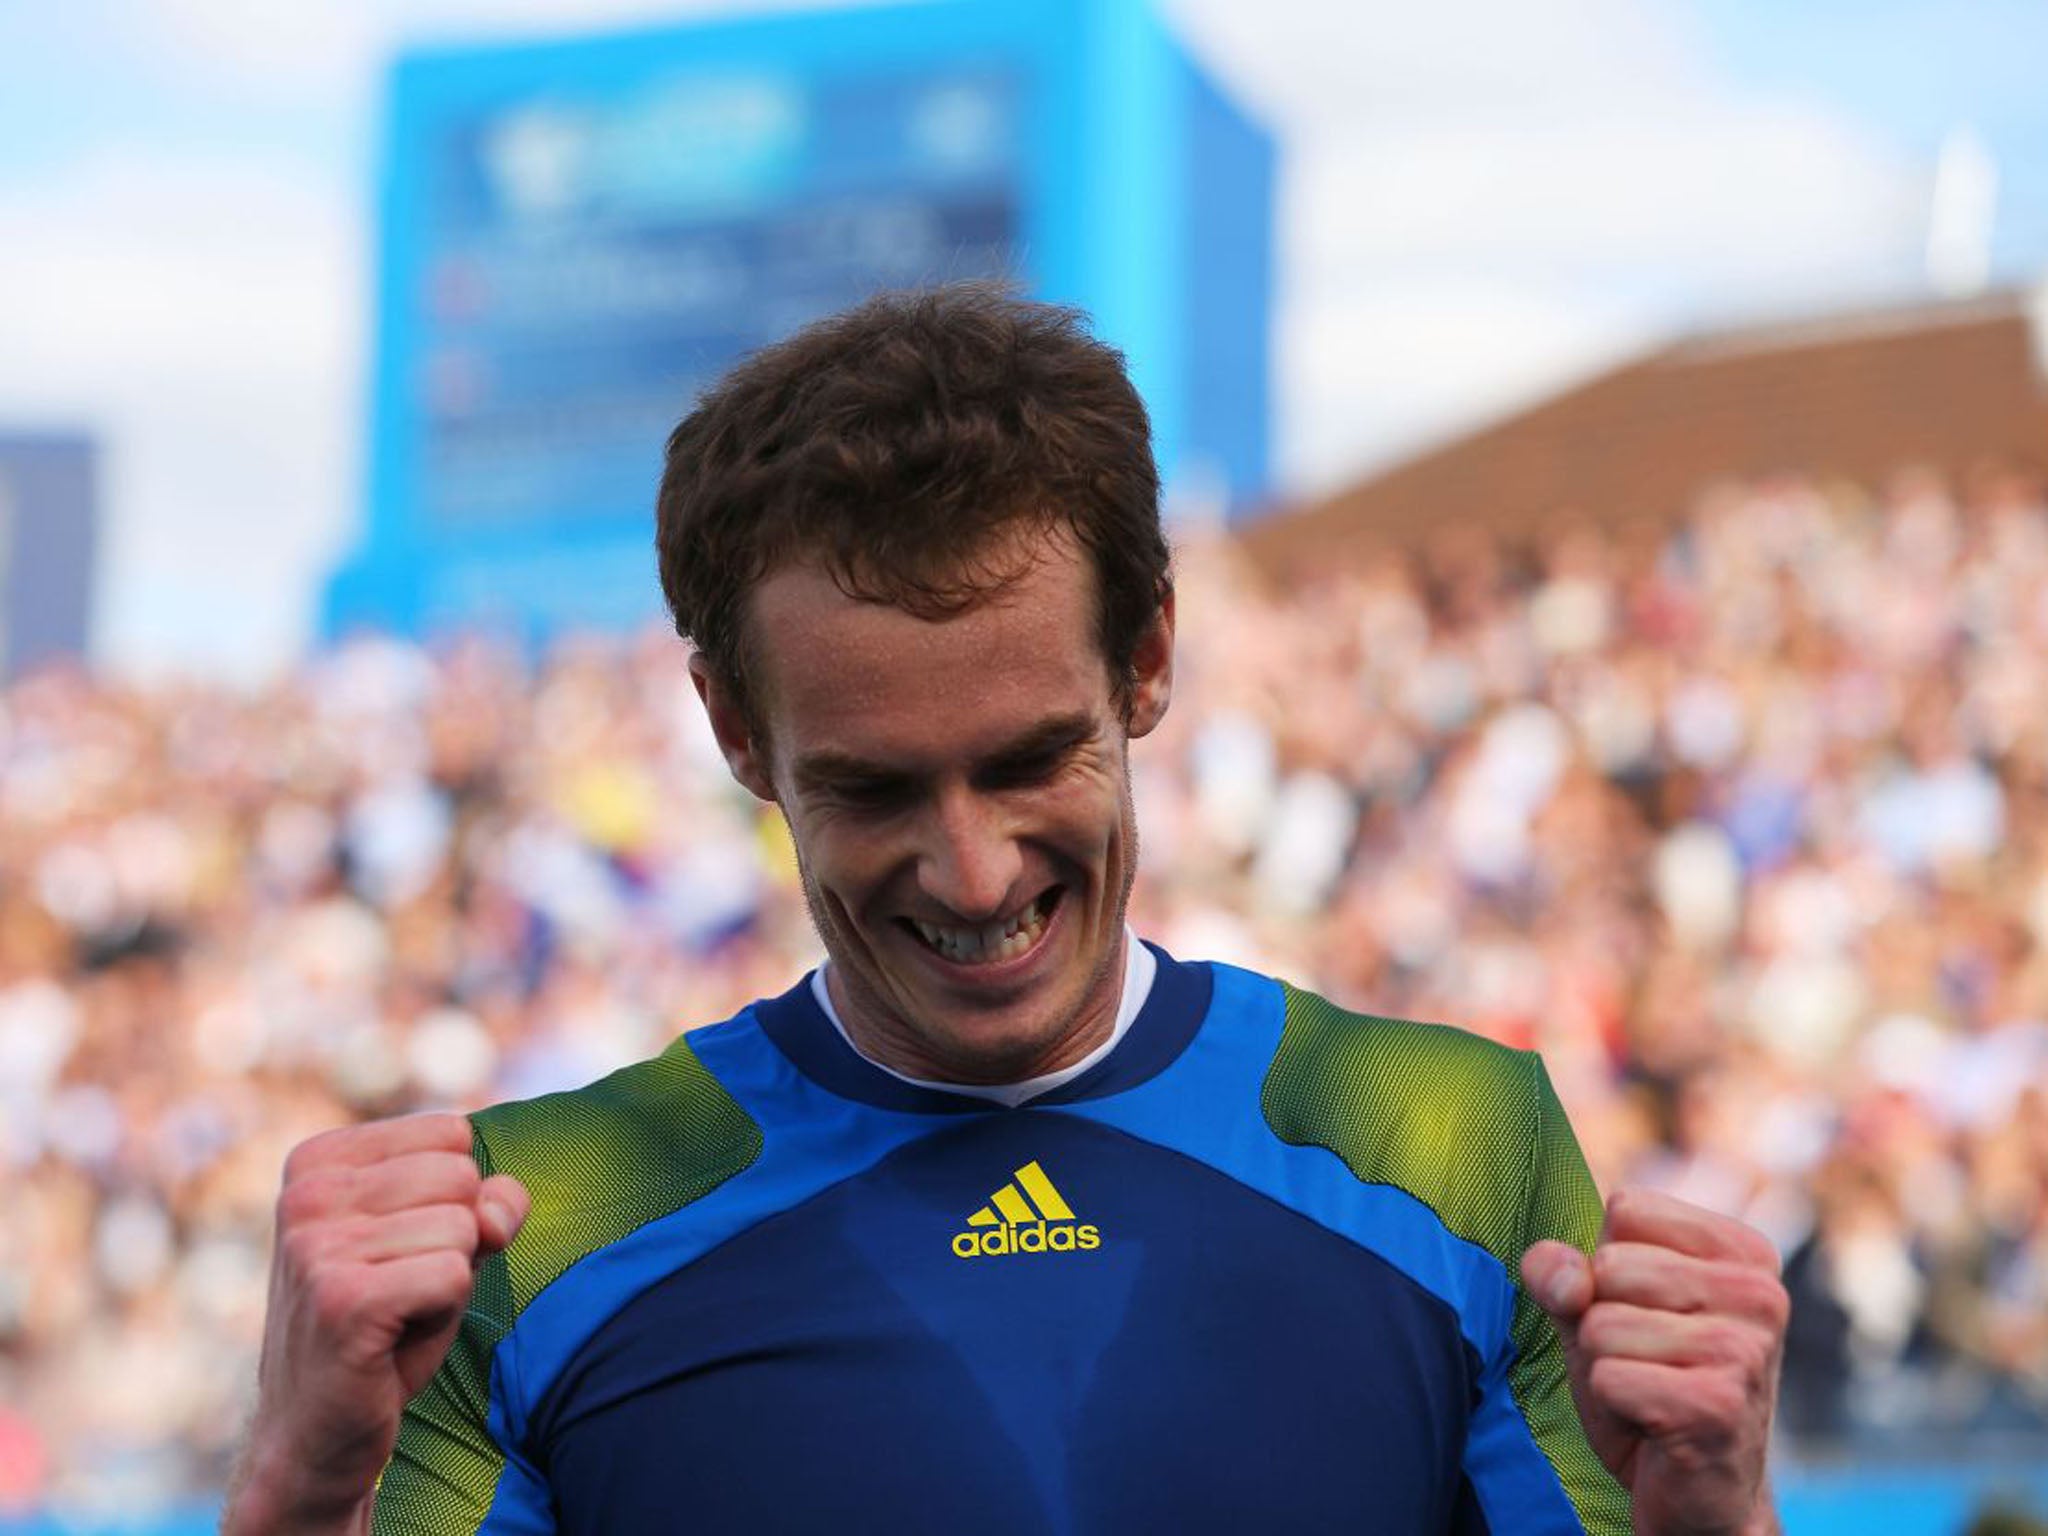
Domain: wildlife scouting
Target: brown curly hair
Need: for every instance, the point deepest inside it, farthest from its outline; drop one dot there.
(890, 443)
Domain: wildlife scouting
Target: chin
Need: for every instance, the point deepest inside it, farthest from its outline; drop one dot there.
(996, 1048)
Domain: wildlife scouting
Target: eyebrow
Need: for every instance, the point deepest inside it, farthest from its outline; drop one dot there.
(821, 770)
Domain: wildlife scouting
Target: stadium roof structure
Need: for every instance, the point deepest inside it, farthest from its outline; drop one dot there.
(1952, 386)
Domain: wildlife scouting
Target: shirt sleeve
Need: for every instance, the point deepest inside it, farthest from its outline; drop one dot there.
(1527, 1401)
(452, 1474)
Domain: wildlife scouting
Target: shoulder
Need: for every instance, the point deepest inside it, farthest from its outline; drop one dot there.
(644, 1134)
(604, 1160)
(668, 1107)
(1459, 1121)
(1336, 1068)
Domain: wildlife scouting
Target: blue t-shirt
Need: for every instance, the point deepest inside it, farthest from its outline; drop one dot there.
(1254, 1270)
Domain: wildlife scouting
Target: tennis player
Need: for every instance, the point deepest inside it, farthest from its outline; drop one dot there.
(1002, 1219)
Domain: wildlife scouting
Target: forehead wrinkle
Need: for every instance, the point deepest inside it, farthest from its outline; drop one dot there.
(877, 664)
(991, 576)
(1048, 733)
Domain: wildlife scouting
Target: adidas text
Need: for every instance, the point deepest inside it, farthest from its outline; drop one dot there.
(1039, 1237)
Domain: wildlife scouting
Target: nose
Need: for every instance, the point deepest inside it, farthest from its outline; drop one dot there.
(970, 862)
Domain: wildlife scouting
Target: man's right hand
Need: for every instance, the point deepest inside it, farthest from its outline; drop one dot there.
(380, 1228)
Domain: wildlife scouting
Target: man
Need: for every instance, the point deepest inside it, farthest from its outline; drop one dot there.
(1003, 1220)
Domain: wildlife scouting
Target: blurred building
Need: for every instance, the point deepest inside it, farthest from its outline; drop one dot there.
(49, 542)
(1956, 387)
(577, 236)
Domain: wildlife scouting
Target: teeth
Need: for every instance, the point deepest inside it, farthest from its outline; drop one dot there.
(990, 942)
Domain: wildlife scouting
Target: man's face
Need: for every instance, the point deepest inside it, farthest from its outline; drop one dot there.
(958, 794)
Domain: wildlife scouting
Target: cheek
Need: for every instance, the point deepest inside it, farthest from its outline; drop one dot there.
(852, 866)
(1088, 818)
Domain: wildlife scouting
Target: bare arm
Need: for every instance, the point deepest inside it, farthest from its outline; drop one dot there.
(379, 1231)
(1673, 1334)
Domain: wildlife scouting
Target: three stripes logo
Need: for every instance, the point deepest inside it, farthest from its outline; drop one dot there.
(1027, 1215)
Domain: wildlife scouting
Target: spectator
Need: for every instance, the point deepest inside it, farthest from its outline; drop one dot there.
(1746, 829)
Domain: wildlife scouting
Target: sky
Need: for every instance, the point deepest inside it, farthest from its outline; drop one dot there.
(1480, 201)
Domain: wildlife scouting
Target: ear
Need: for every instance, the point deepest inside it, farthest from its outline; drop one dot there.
(744, 755)
(1152, 672)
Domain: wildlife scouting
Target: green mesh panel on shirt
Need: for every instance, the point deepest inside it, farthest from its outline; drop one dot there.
(1474, 1131)
(599, 1163)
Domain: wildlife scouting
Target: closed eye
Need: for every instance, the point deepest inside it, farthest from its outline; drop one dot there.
(1023, 772)
(875, 794)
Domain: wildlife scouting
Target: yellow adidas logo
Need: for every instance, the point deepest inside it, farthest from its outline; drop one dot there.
(1026, 1215)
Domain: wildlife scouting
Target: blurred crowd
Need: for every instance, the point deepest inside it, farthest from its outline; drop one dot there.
(1743, 823)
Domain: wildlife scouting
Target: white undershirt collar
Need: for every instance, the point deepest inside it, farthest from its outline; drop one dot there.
(1139, 970)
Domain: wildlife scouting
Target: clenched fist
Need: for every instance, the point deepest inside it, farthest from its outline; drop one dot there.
(1673, 1332)
(380, 1228)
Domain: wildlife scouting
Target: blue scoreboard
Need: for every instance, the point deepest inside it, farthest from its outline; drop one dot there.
(577, 236)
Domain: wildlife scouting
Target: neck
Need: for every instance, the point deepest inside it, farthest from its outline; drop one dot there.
(884, 1038)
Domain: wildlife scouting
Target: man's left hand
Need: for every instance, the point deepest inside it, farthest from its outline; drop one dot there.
(1673, 1332)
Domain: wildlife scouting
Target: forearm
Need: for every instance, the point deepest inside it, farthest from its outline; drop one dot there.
(1763, 1521)
(256, 1517)
(270, 1497)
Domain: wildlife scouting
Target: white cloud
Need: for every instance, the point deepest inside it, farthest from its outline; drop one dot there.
(1722, 193)
(205, 318)
(339, 48)
(1379, 372)
(1482, 200)
(174, 261)
(262, 50)
(1310, 65)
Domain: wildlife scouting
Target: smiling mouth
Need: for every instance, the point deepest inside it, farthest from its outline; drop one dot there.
(990, 943)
